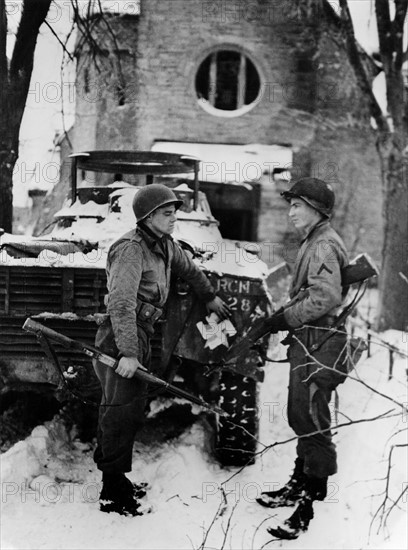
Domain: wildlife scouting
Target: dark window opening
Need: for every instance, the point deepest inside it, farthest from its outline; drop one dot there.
(86, 81)
(235, 224)
(228, 80)
(305, 64)
(121, 95)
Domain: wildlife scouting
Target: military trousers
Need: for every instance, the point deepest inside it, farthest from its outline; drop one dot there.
(309, 413)
(122, 407)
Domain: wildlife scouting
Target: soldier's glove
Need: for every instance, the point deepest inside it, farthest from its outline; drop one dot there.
(260, 328)
(277, 322)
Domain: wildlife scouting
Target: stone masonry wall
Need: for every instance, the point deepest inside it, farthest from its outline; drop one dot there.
(176, 36)
(309, 101)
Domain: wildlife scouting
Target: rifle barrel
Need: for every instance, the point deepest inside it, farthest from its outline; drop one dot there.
(151, 379)
(95, 353)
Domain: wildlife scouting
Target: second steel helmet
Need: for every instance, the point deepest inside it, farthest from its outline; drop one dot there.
(151, 197)
(317, 193)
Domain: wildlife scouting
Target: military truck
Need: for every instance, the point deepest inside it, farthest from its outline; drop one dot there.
(58, 279)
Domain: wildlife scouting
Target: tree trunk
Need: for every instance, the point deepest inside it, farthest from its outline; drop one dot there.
(393, 306)
(6, 196)
(392, 132)
(7, 162)
(15, 79)
(393, 283)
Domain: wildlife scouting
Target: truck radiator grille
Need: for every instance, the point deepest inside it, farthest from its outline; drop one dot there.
(16, 342)
(32, 290)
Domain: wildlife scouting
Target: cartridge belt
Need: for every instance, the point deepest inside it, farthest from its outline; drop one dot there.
(146, 314)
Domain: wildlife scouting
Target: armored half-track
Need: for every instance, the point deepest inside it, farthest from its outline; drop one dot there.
(58, 279)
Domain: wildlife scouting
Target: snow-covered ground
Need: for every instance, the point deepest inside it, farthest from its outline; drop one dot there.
(50, 484)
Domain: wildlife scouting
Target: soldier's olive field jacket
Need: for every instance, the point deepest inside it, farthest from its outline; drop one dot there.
(316, 288)
(138, 268)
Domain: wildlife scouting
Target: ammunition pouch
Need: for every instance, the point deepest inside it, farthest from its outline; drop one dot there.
(147, 313)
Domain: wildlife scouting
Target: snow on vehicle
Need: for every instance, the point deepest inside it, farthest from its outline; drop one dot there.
(59, 279)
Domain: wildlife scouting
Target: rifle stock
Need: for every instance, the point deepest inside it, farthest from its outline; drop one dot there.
(94, 353)
(360, 269)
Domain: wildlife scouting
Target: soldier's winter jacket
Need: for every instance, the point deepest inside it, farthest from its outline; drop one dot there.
(316, 294)
(138, 270)
(316, 285)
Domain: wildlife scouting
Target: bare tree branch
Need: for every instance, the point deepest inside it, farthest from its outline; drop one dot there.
(220, 511)
(359, 70)
(394, 504)
(117, 62)
(258, 527)
(63, 44)
(380, 341)
(322, 366)
(85, 27)
(63, 62)
(381, 510)
(228, 525)
(385, 415)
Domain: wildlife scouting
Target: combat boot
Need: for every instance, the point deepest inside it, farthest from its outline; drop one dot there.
(289, 494)
(139, 489)
(314, 489)
(120, 495)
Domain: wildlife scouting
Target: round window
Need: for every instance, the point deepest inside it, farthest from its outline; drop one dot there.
(227, 81)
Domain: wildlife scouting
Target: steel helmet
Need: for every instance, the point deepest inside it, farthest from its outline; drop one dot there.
(151, 197)
(317, 193)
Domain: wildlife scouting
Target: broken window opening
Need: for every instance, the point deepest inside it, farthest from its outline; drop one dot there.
(227, 80)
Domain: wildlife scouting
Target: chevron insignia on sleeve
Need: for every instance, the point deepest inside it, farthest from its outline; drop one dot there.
(324, 267)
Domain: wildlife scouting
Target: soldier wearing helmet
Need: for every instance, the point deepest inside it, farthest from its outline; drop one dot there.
(315, 296)
(138, 270)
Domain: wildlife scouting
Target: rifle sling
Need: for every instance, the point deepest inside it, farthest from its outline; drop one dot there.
(340, 319)
(52, 356)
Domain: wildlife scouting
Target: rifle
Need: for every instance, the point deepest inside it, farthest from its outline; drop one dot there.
(359, 270)
(44, 334)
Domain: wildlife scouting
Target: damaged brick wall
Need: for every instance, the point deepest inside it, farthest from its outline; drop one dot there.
(308, 100)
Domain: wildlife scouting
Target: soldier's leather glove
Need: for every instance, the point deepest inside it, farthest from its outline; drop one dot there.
(260, 328)
(277, 322)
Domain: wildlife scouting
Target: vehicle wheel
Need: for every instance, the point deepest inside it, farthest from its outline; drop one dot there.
(236, 436)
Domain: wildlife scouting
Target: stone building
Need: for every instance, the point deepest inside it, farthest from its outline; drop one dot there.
(257, 89)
